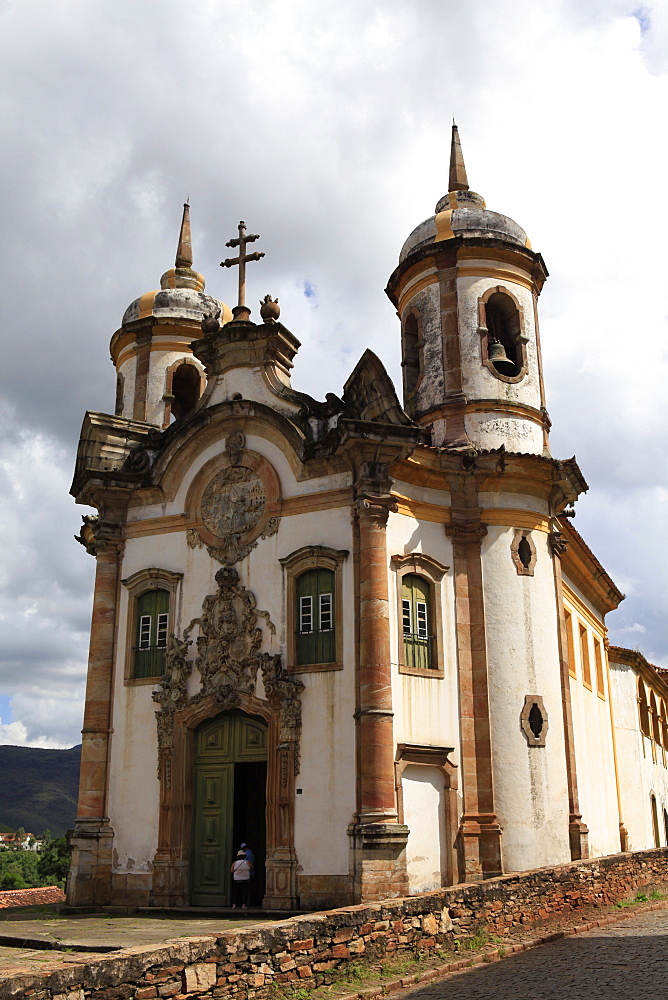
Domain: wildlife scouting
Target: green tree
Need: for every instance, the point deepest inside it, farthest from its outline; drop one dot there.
(53, 862)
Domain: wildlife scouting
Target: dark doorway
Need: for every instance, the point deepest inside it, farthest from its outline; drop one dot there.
(229, 804)
(250, 782)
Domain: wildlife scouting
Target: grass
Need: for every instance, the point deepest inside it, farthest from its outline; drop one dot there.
(640, 897)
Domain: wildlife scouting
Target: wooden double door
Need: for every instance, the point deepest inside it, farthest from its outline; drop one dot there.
(229, 807)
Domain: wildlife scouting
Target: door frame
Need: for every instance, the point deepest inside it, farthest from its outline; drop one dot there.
(172, 860)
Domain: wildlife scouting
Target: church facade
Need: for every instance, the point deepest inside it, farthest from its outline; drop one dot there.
(361, 637)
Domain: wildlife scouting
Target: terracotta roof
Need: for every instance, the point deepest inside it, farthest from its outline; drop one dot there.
(31, 897)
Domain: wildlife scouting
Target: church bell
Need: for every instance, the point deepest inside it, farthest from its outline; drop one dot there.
(497, 355)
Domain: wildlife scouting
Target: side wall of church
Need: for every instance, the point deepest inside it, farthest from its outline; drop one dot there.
(592, 722)
(642, 764)
(523, 659)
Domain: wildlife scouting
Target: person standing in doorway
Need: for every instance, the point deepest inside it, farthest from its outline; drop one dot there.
(241, 870)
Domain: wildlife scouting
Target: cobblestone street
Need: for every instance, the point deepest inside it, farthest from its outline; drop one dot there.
(624, 960)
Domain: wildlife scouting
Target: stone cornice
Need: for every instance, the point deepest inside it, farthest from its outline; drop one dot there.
(649, 673)
(580, 565)
(450, 253)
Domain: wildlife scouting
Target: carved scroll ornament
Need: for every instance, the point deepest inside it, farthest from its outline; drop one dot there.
(228, 658)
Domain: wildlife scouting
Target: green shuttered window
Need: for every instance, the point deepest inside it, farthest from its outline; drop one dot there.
(151, 637)
(315, 617)
(416, 622)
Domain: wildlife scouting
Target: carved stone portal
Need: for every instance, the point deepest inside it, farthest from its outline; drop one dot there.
(228, 646)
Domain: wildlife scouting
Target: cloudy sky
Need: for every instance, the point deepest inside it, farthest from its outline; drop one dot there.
(325, 127)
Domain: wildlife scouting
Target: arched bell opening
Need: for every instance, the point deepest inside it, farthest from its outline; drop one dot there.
(184, 384)
(412, 361)
(502, 337)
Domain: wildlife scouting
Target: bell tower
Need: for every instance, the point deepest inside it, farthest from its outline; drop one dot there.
(466, 292)
(158, 379)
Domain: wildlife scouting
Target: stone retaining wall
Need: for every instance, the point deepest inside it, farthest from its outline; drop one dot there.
(302, 951)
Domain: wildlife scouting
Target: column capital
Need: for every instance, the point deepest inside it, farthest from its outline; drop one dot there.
(374, 508)
(101, 537)
(467, 532)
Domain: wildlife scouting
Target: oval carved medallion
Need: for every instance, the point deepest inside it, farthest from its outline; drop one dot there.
(233, 502)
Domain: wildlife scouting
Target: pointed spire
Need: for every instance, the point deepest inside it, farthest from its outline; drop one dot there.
(184, 253)
(458, 180)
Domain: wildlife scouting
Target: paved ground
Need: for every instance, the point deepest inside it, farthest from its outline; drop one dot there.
(92, 932)
(624, 960)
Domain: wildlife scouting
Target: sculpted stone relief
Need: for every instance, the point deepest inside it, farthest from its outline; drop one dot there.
(233, 506)
(228, 645)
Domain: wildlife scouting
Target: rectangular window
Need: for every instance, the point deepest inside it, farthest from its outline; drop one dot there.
(406, 617)
(305, 614)
(161, 638)
(598, 660)
(144, 631)
(421, 611)
(568, 620)
(325, 612)
(584, 655)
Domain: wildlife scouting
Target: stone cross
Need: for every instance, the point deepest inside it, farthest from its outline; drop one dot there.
(242, 259)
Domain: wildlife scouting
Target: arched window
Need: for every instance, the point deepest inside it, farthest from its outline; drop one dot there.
(664, 725)
(314, 591)
(316, 639)
(420, 617)
(151, 633)
(655, 821)
(151, 602)
(654, 719)
(416, 622)
(412, 361)
(643, 709)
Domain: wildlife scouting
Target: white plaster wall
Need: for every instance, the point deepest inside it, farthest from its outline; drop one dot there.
(128, 370)
(594, 755)
(252, 384)
(491, 430)
(424, 814)
(523, 658)
(326, 804)
(514, 501)
(640, 774)
(134, 790)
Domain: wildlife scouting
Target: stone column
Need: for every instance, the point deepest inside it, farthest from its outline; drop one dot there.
(479, 831)
(578, 832)
(379, 842)
(89, 880)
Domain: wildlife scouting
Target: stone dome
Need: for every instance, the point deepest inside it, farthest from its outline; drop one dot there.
(462, 212)
(181, 294)
(175, 304)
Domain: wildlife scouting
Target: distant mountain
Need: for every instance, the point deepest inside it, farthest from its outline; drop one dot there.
(39, 788)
